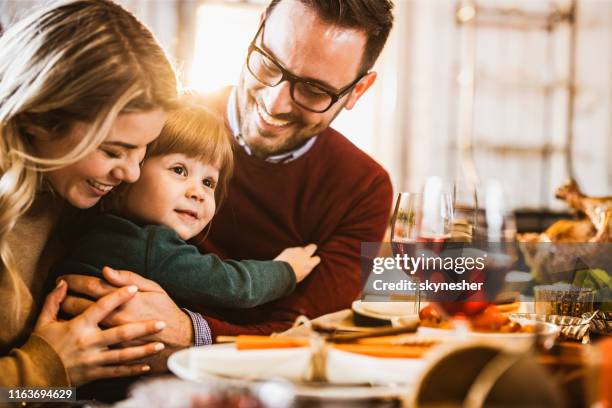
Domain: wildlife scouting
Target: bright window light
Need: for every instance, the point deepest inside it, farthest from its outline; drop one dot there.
(222, 40)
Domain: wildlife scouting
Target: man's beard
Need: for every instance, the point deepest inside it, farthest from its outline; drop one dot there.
(263, 150)
(263, 144)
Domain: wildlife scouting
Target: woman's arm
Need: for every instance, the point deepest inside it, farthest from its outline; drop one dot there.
(34, 364)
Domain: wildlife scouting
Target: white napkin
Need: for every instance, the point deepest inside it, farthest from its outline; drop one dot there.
(346, 368)
(289, 363)
(294, 364)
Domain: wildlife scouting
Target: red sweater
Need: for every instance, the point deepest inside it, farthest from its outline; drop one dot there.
(334, 195)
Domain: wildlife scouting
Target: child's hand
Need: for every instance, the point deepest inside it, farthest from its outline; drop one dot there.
(301, 260)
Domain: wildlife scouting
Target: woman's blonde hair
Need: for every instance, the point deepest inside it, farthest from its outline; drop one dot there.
(76, 61)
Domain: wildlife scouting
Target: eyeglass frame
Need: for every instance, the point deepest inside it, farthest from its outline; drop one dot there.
(293, 79)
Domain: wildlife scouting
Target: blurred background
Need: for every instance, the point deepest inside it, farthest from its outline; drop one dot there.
(517, 90)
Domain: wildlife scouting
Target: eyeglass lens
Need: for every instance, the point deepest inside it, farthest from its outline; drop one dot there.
(303, 93)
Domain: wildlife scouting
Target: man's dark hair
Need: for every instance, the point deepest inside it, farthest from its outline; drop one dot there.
(373, 17)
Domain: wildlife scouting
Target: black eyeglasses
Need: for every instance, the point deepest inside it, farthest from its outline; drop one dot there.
(307, 94)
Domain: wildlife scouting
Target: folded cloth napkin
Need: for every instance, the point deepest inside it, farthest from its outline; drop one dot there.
(346, 368)
(297, 364)
(225, 360)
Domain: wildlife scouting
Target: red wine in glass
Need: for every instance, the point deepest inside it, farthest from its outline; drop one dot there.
(492, 277)
(404, 228)
(495, 233)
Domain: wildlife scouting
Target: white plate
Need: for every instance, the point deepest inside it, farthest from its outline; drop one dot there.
(510, 341)
(385, 310)
(224, 361)
(187, 364)
(345, 393)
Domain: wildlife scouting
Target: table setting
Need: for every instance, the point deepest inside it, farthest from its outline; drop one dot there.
(385, 366)
(524, 340)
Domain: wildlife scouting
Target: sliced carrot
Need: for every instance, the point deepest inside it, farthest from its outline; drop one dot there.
(386, 351)
(248, 342)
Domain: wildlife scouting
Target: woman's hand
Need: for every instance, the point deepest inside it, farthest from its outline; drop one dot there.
(84, 348)
(151, 302)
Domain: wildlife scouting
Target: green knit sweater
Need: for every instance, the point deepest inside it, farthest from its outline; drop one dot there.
(157, 253)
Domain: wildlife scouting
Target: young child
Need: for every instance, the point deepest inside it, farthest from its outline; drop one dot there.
(184, 174)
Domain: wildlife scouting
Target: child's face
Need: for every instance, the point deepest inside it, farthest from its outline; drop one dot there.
(176, 191)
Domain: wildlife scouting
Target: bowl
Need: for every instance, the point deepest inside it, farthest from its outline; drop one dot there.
(547, 333)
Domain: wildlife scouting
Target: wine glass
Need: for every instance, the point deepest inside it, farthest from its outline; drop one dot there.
(404, 232)
(495, 230)
(404, 221)
(496, 234)
(421, 221)
(465, 210)
(496, 223)
(436, 222)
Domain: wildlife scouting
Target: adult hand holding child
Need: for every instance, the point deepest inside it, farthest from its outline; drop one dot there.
(83, 346)
(148, 303)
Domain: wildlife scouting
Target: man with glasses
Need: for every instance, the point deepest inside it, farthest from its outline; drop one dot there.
(297, 180)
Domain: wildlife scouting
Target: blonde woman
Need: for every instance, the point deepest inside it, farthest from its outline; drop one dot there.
(84, 87)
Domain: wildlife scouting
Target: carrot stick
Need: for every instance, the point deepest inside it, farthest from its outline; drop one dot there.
(387, 351)
(247, 342)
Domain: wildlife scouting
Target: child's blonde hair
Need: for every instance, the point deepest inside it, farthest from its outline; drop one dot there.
(197, 132)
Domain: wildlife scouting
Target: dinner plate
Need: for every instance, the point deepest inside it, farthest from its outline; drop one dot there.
(510, 341)
(341, 321)
(206, 364)
(385, 311)
(345, 393)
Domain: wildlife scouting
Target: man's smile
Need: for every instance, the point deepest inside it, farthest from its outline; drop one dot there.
(270, 120)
